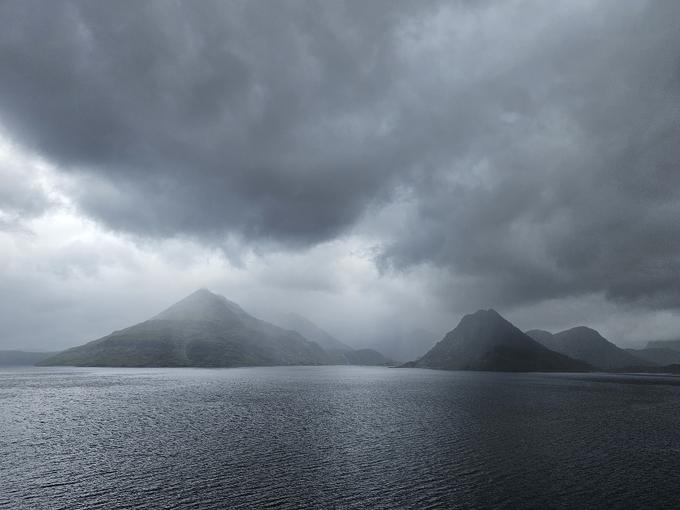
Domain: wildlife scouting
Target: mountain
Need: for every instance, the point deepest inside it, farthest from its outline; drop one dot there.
(664, 344)
(541, 336)
(658, 356)
(587, 345)
(486, 341)
(311, 331)
(204, 329)
(338, 352)
(22, 358)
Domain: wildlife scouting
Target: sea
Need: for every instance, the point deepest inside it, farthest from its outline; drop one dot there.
(336, 437)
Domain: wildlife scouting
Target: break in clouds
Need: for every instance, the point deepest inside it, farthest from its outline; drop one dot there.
(515, 154)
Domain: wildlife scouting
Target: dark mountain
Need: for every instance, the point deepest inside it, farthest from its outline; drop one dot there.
(203, 329)
(486, 341)
(311, 331)
(22, 358)
(664, 344)
(658, 356)
(587, 345)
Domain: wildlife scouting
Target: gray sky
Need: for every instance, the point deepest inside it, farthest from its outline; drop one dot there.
(371, 165)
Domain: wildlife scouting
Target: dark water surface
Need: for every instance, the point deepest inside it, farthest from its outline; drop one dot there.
(336, 437)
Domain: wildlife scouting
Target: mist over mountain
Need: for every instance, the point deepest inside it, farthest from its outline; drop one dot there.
(311, 331)
(338, 352)
(22, 358)
(664, 344)
(206, 329)
(404, 344)
(203, 329)
(485, 340)
(587, 345)
(657, 355)
(660, 352)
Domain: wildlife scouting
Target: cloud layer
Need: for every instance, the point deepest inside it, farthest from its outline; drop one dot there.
(499, 153)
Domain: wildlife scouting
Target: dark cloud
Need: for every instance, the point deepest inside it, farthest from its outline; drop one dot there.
(268, 120)
(567, 179)
(536, 143)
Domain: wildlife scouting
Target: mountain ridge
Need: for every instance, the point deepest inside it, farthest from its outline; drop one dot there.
(664, 344)
(311, 331)
(484, 340)
(587, 344)
(657, 355)
(339, 352)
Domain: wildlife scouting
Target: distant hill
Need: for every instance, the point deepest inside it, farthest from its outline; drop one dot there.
(674, 345)
(486, 341)
(587, 345)
(658, 356)
(311, 331)
(22, 358)
(204, 329)
(338, 352)
(367, 357)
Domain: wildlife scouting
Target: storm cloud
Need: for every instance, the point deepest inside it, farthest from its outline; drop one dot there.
(504, 153)
(274, 121)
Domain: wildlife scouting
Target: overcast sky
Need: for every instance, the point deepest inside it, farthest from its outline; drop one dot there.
(373, 166)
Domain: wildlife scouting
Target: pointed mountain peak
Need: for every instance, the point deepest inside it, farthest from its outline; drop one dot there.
(489, 316)
(486, 324)
(203, 329)
(203, 292)
(202, 305)
(486, 313)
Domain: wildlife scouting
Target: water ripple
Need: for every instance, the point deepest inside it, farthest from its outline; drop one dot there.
(335, 437)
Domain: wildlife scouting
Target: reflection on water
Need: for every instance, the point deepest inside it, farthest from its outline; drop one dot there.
(335, 437)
